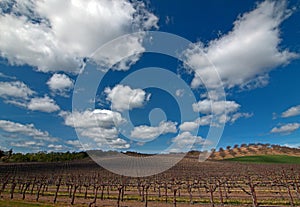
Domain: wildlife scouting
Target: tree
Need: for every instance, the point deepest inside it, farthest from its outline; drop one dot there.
(244, 145)
(232, 153)
(10, 152)
(222, 152)
(2, 153)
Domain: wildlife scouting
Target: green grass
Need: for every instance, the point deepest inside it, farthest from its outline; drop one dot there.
(267, 159)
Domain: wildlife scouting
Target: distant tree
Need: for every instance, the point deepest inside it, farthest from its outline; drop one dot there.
(222, 153)
(213, 153)
(232, 153)
(275, 147)
(251, 150)
(244, 145)
(10, 152)
(228, 147)
(236, 146)
(2, 153)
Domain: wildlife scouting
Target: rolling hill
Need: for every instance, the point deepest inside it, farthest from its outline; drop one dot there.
(259, 153)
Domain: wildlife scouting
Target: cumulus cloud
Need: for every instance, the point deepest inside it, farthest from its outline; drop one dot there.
(56, 147)
(217, 107)
(60, 84)
(286, 128)
(98, 126)
(15, 89)
(120, 54)
(189, 126)
(220, 112)
(293, 111)
(237, 116)
(147, 133)
(74, 143)
(56, 35)
(44, 104)
(19, 94)
(90, 119)
(185, 142)
(179, 92)
(192, 125)
(125, 98)
(28, 130)
(246, 54)
(28, 146)
(36, 146)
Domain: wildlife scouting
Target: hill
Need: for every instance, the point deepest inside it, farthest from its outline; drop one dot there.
(257, 153)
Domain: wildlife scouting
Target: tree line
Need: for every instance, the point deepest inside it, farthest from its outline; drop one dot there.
(9, 156)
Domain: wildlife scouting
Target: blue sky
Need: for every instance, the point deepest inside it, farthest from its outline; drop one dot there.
(46, 63)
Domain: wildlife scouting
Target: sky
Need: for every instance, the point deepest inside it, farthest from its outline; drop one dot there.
(80, 74)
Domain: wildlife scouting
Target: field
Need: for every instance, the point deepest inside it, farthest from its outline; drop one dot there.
(189, 183)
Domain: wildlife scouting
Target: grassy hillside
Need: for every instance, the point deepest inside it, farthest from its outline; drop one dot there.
(257, 153)
(267, 159)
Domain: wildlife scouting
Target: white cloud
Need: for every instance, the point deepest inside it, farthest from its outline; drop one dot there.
(15, 89)
(292, 145)
(25, 130)
(246, 54)
(214, 95)
(125, 98)
(98, 126)
(60, 84)
(2, 75)
(44, 104)
(179, 92)
(204, 120)
(218, 112)
(286, 128)
(217, 107)
(19, 103)
(192, 125)
(19, 94)
(187, 138)
(121, 53)
(225, 118)
(189, 126)
(185, 142)
(293, 111)
(75, 143)
(240, 115)
(147, 133)
(28, 145)
(36, 146)
(89, 119)
(56, 36)
(56, 147)
(119, 143)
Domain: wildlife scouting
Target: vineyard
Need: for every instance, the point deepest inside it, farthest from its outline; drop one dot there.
(189, 183)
